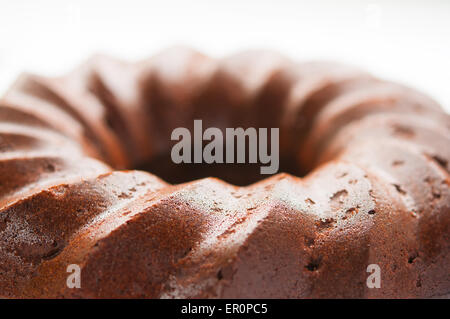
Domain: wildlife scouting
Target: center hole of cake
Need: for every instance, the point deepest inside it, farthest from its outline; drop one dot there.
(237, 174)
(238, 156)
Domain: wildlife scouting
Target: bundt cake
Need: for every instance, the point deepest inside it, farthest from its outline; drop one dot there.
(373, 188)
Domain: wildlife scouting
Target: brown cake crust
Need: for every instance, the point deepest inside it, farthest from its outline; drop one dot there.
(377, 190)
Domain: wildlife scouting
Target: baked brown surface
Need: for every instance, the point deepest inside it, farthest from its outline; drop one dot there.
(376, 155)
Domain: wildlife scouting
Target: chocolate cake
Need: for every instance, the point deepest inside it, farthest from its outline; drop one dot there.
(367, 182)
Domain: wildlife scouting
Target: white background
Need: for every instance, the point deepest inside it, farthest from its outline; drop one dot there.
(407, 41)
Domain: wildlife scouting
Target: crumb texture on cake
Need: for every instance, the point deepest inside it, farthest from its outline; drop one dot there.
(377, 191)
